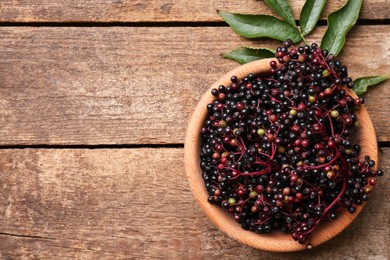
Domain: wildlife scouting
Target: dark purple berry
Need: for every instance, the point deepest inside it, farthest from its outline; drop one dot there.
(277, 151)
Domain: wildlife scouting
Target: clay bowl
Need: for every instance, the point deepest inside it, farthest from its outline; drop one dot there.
(275, 241)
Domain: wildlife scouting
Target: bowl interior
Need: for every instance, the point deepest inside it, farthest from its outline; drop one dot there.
(275, 241)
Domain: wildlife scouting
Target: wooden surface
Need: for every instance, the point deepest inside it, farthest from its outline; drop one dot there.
(92, 122)
(116, 85)
(105, 203)
(155, 10)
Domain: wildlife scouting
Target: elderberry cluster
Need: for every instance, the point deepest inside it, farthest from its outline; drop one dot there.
(277, 151)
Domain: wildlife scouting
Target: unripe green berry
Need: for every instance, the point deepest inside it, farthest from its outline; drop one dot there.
(222, 123)
(281, 149)
(330, 174)
(325, 73)
(293, 112)
(334, 113)
(260, 131)
(253, 194)
(348, 151)
(232, 201)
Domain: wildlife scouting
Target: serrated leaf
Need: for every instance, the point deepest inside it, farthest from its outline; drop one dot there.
(310, 14)
(256, 26)
(247, 54)
(282, 8)
(339, 23)
(360, 85)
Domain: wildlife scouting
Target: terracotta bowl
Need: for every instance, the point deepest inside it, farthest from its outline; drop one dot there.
(275, 241)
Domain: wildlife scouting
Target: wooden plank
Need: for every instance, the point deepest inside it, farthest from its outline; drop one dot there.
(138, 85)
(156, 10)
(109, 203)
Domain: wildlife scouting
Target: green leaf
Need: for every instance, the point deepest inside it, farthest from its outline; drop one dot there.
(360, 85)
(256, 26)
(339, 23)
(282, 8)
(310, 14)
(247, 54)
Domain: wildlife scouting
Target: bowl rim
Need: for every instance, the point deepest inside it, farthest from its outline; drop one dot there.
(275, 241)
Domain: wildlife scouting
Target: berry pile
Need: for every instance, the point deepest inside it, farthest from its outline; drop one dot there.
(277, 151)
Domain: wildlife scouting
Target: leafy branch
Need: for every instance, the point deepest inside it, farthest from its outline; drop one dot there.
(264, 26)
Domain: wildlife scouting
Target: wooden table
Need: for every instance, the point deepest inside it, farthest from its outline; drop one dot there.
(95, 97)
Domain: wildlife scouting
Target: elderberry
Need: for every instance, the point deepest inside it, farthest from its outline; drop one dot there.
(277, 151)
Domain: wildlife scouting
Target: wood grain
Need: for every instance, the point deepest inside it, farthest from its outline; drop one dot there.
(138, 85)
(155, 10)
(106, 204)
